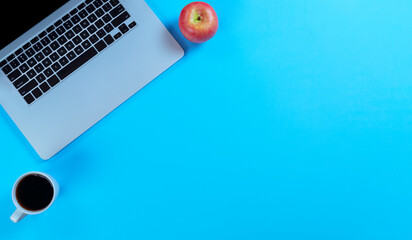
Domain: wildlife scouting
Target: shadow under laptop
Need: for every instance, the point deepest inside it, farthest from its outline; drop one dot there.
(4, 117)
(70, 169)
(187, 45)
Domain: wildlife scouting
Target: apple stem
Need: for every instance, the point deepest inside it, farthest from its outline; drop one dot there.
(197, 16)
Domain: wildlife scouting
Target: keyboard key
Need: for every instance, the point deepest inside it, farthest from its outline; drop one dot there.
(20, 50)
(69, 34)
(101, 33)
(93, 39)
(31, 62)
(106, 18)
(9, 58)
(116, 11)
(60, 30)
(14, 75)
(67, 16)
(88, 1)
(63, 61)
(62, 51)
(42, 34)
(56, 24)
(100, 45)
(83, 14)
(123, 28)
(99, 23)
(31, 73)
(44, 87)
(54, 57)
(45, 41)
(84, 23)
(86, 44)
(26, 46)
(53, 36)
(78, 50)
(46, 62)
(75, 19)
(20, 82)
(68, 25)
(23, 68)
(6, 69)
(120, 19)
(92, 29)
(34, 40)
(107, 7)
(74, 11)
(15, 63)
(114, 2)
(78, 62)
(37, 93)
(40, 78)
(71, 55)
(56, 66)
(48, 72)
(77, 40)
(39, 56)
(49, 29)
(98, 3)
(46, 51)
(3, 63)
(77, 29)
(108, 27)
(39, 68)
(29, 98)
(118, 35)
(84, 34)
(30, 52)
(53, 81)
(81, 6)
(90, 8)
(132, 24)
(62, 40)
(69, 45)
(22, 58)
(28, 87)
(54, 45)
(109, 39)
(92, 18)
(99, 12)
(38, 46)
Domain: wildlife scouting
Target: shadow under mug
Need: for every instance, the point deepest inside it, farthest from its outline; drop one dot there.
(21, 212)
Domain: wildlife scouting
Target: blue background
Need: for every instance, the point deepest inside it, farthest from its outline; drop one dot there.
(294, 122)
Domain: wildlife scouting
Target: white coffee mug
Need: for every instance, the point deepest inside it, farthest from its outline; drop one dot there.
(21, 212)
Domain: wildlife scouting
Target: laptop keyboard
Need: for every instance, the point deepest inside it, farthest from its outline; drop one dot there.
(46, 60)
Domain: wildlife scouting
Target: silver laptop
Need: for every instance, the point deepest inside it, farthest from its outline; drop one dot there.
(68, 63)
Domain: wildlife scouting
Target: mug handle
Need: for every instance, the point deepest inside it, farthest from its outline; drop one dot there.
(17, 216)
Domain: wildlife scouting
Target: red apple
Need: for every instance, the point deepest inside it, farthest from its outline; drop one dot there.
(198, 22)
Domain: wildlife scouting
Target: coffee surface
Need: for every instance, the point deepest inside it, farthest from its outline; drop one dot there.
(34, 192)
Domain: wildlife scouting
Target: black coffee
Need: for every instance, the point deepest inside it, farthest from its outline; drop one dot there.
(34, 192)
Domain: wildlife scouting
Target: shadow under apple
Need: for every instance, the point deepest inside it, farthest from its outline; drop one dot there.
(174, 29)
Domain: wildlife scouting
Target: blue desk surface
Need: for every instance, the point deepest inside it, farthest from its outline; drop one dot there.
(294, 122)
